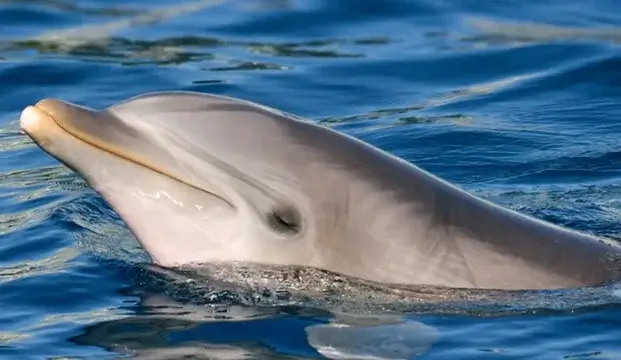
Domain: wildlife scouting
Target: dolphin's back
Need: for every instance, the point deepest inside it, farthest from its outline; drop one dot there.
(422, 229)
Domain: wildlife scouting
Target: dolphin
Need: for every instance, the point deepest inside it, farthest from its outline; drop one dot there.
(202, 178)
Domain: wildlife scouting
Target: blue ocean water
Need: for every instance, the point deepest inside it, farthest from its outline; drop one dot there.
(516, 101)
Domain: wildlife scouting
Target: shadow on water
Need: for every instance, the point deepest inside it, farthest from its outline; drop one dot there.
(300, 313)
(163, 328)
(104, 41)
(100, 42)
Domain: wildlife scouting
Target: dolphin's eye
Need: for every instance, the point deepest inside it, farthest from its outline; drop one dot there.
(285, 220)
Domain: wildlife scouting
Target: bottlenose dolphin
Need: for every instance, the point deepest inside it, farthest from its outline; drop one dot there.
(202, 178)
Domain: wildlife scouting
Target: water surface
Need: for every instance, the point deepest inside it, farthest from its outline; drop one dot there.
(516, 101)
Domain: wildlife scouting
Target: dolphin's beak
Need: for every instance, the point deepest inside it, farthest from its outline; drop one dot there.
(56, 109)
(33, 118)
(51, 121)
(80, 122)
(38, 120)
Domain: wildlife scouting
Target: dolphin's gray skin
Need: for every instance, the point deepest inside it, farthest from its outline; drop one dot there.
(204, 178)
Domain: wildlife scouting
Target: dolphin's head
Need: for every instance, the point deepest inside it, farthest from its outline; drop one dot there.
(200, 178)
(205, 179)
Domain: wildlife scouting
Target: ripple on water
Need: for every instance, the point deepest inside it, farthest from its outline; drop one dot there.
(521, 112)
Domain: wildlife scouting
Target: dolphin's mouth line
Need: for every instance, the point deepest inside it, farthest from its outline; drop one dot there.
(85, 138)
